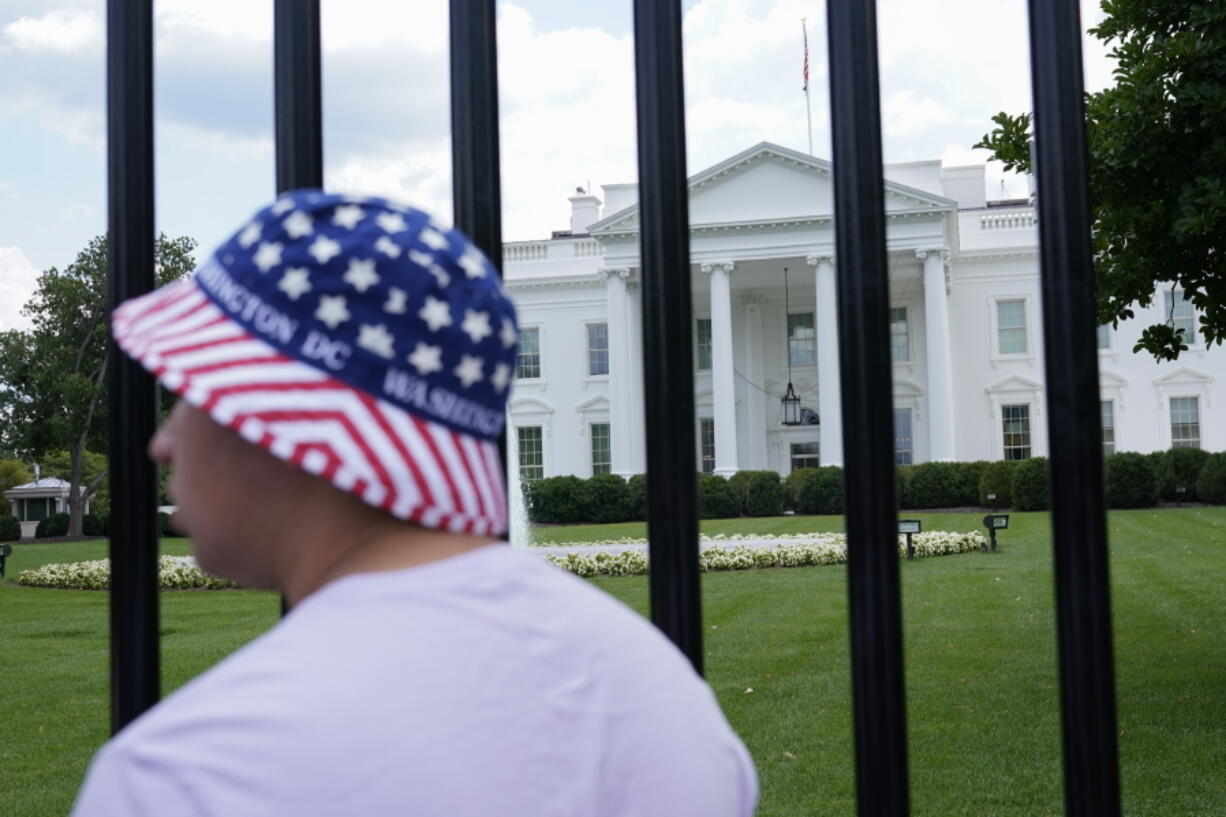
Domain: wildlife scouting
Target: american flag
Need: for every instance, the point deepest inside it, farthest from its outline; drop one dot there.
(357, 339)
(804, 28)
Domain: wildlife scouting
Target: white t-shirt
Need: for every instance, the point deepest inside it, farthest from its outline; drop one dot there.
(490, 683)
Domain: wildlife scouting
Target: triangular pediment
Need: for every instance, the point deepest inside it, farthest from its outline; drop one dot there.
(769, 183)
(1108, 379)
(597, 403)
(1184, 374)
(1014, 382)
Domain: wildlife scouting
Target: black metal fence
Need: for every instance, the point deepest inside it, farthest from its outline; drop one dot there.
(1078, 516)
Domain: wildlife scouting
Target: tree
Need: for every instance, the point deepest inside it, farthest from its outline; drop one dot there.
(53, 377)
(1157, 145)
(12, 472)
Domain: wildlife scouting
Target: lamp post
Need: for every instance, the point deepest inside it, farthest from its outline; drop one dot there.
(789, 406)
(994, 522)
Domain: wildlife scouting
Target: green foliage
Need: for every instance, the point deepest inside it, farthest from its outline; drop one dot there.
(1029, 487)
(933, 485)
(1157, 164)
(10, 529)
(1211, 484)
(1180, 468)
(606, 498)
(820, 490)
(96, 524)
(166, 526)
(997, 479)
(716, 498)
(557, 500)
(637, 486)
(1131, 481)
(759, 493)
(967, 476)
(54, 525)
(12, 472)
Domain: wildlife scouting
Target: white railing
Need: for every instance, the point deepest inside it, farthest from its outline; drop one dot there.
(1015, 220)
(588, 248)
(523, 251)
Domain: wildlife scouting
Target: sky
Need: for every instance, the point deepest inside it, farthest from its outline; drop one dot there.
(566, 73)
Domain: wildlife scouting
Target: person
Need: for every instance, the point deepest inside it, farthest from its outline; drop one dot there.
(342, 367)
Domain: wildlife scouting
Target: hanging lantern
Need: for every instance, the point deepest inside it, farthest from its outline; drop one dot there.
(790, 407)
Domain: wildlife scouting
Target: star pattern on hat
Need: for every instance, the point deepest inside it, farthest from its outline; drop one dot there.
(396, 298)
(298, 224)
(500, 377)
(473, 263)
(388, 247)
(295, 283)
(476, 324)
(250, 235)
(433, 239)
(427, 359)
(391, 222)
(348, 216)
(469, 370)
(324, 249)
(508, 335)
(375, 338)
(282, 206)
(267, 256)
(435, 313)
(361, 274)
(332, 310)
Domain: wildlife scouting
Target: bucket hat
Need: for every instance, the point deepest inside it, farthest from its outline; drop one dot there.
(355, 338)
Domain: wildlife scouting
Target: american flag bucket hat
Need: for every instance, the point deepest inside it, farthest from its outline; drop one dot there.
(356, 338)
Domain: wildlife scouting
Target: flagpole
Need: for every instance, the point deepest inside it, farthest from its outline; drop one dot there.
(808, 108)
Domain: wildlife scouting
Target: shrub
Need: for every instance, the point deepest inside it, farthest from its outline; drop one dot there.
(932, 485)
(557, 499)
(1181, 467)
(820, 490)
(10, 529)
(759, 493)
(54, 525)
(637, 486)
(902, 476)
(166, 526)
(967, 476)
(606, 498)
(716, 499)
(95, 525)
(1029, 487)
(1131, 481)
(1211, 486)
(997, 479)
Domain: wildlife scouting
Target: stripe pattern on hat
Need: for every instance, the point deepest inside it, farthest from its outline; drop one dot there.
(414, 469)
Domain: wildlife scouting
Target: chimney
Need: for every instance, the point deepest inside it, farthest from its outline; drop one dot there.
(584, 211)
(36, 472)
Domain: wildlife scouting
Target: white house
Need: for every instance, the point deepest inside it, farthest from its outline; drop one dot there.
(34, 501)
(967, 343)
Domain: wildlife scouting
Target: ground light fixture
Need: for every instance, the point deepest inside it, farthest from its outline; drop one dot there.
(5, 552)
(910, 527)
(994, 522)
(789, 406)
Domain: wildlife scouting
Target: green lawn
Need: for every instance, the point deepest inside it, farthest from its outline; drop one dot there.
(981, 675)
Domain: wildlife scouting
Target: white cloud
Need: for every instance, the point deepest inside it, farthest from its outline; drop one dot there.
(419, 177)
(18, 278)
(904, 113)
(61, 32)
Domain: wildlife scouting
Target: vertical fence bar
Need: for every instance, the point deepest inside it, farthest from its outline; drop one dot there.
(298, 93)
(476, 164)
(668, 370)
(1079, 528)
(135, 651)
(864, 358)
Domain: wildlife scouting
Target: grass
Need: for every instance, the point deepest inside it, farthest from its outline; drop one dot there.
(982, 705)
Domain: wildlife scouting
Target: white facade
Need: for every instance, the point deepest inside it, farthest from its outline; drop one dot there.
(968, 348)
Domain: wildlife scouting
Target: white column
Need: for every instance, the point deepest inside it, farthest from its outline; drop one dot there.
(638, 410)
(828, 400)
(755, 414)
(723, 384)
(619, 371)
(940, 371)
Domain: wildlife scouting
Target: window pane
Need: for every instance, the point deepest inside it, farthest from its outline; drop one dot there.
(1185, 422)
(903, 454)
(805, 455)
(1011, 327)
(1104, 336)
(531, 453)
(597, 348)
(706, 433)
(1108, 408)
(802, 339)
(1016, 428)
(1180, 312)
(528, 363)
(704, 343)
(900, 347)
(602, 450)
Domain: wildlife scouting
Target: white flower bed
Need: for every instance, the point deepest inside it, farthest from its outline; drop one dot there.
(174, 573)
(800, 550)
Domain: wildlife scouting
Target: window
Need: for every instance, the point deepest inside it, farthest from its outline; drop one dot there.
(602, 449)
(900, 345)
(1016, 420)
(706, 439)
(1104, 336)
(703, 333)
(802, 339)
(805, 455)
(1108, 426)
(1185, 422)
(903, 446)
(531, 453)
(528, 363)
(597, 348)
(1180, 313)
(1011, 327)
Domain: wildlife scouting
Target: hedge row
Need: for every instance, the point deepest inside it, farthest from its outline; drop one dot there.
(1132, 481)
(57, 525)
